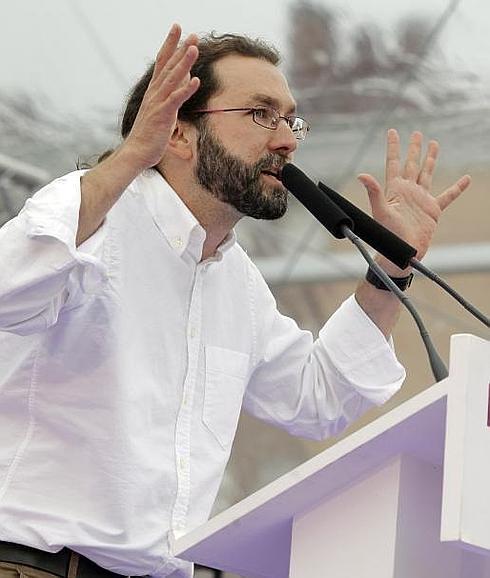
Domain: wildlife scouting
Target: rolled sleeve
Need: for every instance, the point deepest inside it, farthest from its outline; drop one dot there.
(40, 259)
(54, 212)
(316, 388)
(361, 354)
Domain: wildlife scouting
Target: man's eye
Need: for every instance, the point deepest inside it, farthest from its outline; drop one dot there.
(262, 113)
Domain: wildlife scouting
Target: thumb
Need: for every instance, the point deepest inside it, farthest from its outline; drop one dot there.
(374, 191)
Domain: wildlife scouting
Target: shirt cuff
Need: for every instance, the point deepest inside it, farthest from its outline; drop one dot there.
(363, 357)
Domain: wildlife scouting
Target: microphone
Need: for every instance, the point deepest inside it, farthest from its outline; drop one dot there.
(393, 247)
(319, 205)
(373, 233)
(339, 224)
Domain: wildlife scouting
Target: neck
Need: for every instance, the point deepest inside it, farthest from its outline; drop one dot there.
(216, 217)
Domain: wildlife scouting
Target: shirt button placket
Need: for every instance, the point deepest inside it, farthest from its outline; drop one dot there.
(184, 421)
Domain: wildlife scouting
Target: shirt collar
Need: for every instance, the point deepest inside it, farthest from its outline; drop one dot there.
(174, 219)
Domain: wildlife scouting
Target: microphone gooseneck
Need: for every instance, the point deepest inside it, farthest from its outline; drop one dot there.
(439, 370)
(433, 276)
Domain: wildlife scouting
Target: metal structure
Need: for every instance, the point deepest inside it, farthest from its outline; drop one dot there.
(17, 181)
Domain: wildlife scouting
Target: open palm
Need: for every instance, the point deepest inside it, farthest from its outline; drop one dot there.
(406, 205)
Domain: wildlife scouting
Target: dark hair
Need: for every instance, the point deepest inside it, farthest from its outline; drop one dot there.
(212, 47)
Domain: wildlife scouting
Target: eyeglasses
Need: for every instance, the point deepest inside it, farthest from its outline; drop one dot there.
(267, 117)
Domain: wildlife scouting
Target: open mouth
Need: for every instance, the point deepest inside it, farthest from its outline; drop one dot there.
(276, 173)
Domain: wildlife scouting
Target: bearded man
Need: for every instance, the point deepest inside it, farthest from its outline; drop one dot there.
(134, 328)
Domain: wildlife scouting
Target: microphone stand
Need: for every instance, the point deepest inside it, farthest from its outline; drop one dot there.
(433, 276)
(438, 367)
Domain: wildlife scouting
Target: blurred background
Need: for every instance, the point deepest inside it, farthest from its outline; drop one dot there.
(356, 69)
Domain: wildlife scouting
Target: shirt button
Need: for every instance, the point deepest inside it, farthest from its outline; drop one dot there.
(181, 463)
(177, 242)
(192, 332)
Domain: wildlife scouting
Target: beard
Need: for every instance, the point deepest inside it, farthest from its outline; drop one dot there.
(238, 183)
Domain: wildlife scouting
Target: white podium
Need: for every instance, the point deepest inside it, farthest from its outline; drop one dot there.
(407, 496)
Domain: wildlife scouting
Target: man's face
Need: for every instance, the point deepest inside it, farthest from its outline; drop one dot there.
(238, 183)
(233, 151)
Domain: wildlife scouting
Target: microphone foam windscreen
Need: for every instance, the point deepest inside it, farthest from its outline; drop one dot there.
(319, 205)
(377, 236)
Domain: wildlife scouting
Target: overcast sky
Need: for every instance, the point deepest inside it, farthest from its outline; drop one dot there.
(80, 54)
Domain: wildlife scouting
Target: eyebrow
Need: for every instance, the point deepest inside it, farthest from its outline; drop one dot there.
(267, 100)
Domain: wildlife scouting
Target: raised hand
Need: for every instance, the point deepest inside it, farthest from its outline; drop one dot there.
(170, 86)
(406, 205)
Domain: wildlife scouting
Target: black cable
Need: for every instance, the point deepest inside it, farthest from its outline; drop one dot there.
(416, 264)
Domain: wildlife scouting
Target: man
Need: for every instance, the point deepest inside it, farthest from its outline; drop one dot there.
(134, 327)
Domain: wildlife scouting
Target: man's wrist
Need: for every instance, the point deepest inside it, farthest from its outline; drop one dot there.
(402, 283)
(128, 159)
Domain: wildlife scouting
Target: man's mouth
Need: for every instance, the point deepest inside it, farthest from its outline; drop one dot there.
(276, 173)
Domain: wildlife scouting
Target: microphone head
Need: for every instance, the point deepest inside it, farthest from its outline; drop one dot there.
(373, 233)
(319, 205)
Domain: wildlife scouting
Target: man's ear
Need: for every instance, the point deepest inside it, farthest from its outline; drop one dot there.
(181, 143)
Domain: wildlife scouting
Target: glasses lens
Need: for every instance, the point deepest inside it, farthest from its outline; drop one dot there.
(269, 118)
(266, 117)
(299, 126)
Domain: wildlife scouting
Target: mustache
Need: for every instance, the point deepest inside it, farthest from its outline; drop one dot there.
(271, 162)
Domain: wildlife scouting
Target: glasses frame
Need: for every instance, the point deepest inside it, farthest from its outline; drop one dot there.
(255, 109)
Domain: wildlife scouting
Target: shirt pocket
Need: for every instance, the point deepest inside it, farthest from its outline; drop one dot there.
(226, 375)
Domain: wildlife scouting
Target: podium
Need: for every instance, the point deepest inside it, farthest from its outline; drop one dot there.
(407, 496)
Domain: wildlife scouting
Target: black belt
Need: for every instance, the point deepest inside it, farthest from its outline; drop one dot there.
(55, 563)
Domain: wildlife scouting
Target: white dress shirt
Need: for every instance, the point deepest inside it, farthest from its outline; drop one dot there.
(124, 365)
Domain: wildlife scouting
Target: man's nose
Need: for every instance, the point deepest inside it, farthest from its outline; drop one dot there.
(283, 139)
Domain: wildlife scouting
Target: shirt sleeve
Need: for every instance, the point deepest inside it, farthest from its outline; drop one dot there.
(314, 389)
(41, 265)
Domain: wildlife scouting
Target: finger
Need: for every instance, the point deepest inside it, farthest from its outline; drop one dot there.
(453, 192)
(168, 48)
(180, 74)
(191, 40)
(168, 110)
(177, 98)
(374, 191)
(392, 155)
(176, 65)
(411, 170)
(168, 59)
(430, 161)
